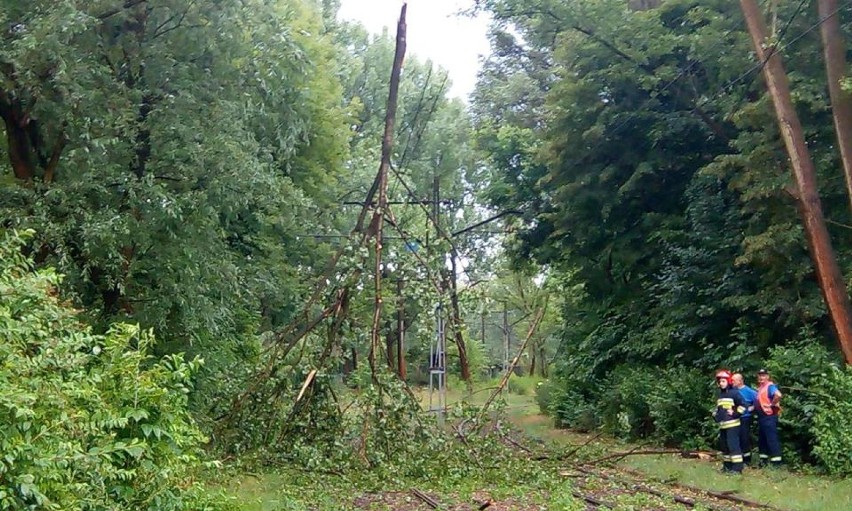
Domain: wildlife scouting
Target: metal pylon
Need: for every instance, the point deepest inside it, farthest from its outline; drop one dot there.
(438, 367)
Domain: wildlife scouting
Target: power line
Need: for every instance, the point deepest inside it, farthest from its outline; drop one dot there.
(759, 66)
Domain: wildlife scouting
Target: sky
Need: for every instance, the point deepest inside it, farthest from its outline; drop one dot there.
(435, 32)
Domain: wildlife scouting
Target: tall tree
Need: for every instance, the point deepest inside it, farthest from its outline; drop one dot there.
(830, 278)
(170, 156)
(834, 51)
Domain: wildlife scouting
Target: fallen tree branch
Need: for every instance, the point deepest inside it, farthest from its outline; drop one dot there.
(592, 500)
(305, 385)
(376, 229)
(621, 455)
(570, 453)
(483, 504)
(511, 368)
(686, 501)
(721, 495)
(518, 444)
(287, 338)
(434, 504)
(473, 454)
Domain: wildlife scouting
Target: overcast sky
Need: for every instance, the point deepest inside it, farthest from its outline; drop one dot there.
(435, 32)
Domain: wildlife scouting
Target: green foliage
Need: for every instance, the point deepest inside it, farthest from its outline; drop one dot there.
(817, 391)
(831, 428)
(654, 187)
(88, 421)
(196, 144)
(669, 406)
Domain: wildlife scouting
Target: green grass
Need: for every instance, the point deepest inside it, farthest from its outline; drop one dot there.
(289, 491)
(787, 490)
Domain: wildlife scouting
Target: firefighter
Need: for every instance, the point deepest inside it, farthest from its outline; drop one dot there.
(768, 409)
(749, 396)
(729, 407)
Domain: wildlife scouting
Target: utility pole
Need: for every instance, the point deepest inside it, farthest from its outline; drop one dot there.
(834, 50)
(828, 273)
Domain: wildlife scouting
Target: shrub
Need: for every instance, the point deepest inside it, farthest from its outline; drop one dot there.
(523, 385)
(671, 406)
(799, 369)
(87, 421)
(680, 406)
(831, 428)
(624, 402)
(570, 407)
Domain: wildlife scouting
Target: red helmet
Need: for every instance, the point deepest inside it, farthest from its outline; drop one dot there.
(724, 375)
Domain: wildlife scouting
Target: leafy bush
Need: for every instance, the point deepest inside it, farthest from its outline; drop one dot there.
(799, 369)
(624, 402)
(567, 404)
(523, 385)
(670, 406)
(679, 405)
(87, 421)
(831, 427)
(545, 395)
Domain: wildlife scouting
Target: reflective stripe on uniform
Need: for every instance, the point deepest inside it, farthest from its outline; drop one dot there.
(737, 459)
(741, 409)
(729, 424)
(764, 456)
(775, 459)
(725, 402)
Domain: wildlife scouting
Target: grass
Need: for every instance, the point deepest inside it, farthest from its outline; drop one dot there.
(288, 491)
(787, 490)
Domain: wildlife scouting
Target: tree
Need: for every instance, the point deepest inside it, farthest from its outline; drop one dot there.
(831, 281)
(169, 157)
(834, 50)
(87, 420)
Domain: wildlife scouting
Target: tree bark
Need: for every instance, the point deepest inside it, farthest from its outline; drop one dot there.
(834, 49)
(17, 139)
(375, 229)
(458, 335)
(531, 372)
(828, 273)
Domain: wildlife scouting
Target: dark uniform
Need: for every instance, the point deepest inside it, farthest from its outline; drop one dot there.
(749, 396)
(767, 421)
(729, 407)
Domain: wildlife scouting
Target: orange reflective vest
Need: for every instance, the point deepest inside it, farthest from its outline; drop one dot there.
(765, 402)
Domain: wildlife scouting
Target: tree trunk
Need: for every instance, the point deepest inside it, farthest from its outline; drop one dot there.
(458, 335)
(834, 48)
(377, 223)
(532, 361)
(828, 272)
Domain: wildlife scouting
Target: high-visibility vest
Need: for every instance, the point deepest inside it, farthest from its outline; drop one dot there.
(764, 400)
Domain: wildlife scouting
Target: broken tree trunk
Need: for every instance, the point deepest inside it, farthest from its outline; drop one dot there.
(511, 368)
(377, 223)
(825, 262)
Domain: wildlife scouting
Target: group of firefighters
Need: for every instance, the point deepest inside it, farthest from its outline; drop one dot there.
(736, 406)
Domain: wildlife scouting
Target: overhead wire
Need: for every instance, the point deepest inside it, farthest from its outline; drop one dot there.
(728, 85)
